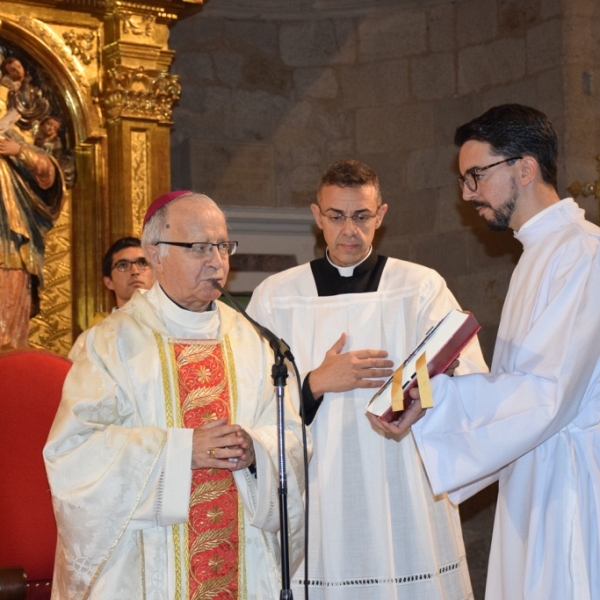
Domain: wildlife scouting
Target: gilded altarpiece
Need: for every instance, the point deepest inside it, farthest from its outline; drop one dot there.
(107, 67)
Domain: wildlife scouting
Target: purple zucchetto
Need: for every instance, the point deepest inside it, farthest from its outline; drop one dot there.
(162, 201)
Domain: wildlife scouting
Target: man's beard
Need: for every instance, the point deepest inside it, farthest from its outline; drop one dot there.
(502, 215)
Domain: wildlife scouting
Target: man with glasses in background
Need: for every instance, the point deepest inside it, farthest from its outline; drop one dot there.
(532, 424)
(124, 270)
(163, 457)
(376, 530)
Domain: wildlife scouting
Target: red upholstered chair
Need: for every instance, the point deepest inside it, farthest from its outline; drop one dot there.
(30, 389)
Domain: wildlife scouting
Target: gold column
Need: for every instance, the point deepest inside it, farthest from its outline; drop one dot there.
(137, 101)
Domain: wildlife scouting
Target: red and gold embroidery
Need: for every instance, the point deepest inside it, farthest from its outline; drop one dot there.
(213, 520)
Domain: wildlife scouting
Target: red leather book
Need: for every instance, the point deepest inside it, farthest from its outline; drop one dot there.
(442, 345)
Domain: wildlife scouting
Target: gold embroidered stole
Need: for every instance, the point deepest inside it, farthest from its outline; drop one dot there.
(213, 538)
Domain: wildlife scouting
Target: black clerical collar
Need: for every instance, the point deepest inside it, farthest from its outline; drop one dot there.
(347, 271)
(365, 277)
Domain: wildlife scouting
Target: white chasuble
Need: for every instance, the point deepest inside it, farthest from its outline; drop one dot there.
(119, 461)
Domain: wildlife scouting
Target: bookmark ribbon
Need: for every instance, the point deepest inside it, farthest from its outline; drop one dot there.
(397, 392)
(424, 382)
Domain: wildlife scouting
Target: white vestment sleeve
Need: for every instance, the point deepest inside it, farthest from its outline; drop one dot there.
(166, 499)
(177, 472)
(482, 423)
(101, 455)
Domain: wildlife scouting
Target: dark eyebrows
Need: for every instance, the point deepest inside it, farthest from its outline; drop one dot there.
(356, 212)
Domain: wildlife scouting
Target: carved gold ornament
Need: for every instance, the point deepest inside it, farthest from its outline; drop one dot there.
(137, 24)
(82, 44)
(140, 92)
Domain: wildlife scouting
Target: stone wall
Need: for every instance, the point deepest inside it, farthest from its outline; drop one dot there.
(273, 92)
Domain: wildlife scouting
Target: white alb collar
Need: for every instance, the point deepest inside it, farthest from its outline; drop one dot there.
(187, 323)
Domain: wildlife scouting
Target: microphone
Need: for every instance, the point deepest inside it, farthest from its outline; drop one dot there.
(276, 344)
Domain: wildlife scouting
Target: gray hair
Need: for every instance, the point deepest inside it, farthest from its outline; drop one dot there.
(155, 226)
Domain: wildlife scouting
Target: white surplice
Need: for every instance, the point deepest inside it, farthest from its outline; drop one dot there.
(376, 530)
(120, 474)
(533, 423)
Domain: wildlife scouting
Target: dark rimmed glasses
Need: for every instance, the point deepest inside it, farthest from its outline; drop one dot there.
(124, 265)
(203, 249)
(472, 176)
(360, 219)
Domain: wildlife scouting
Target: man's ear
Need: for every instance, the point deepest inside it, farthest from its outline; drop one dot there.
(317, 215)
(152, 254)
(108, 282)
(380, 214)
(529, 169)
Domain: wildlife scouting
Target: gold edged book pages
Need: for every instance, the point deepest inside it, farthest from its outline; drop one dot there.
(441, 346)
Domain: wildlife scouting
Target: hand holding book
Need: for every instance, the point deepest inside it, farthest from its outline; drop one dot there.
(408, 417)
(403, 420)
(435, 354)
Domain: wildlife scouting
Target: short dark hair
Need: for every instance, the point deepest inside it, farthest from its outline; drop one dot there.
(349, 173)
(120, 244)
(516, 130)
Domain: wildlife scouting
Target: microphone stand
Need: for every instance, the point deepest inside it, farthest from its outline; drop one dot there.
(279, 373)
